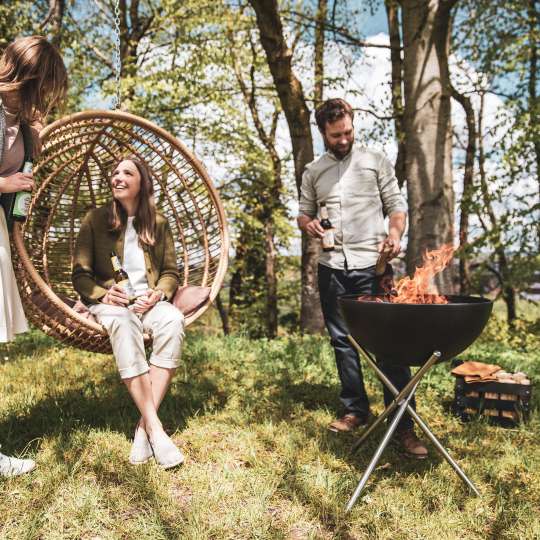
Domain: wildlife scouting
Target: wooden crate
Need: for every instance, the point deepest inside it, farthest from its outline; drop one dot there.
(506, 404)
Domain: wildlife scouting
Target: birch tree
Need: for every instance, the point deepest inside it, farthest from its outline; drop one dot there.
(428, 131)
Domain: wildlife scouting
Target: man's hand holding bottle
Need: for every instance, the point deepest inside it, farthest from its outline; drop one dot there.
(322, 229)
(314, 229)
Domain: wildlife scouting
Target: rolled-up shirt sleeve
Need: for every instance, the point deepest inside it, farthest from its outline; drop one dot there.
(391, 197)
(308, 196)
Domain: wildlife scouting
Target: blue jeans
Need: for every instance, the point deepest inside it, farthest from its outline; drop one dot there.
(333, 283)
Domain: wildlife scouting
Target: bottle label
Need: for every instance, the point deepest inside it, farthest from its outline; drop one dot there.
(27, 167)
(126, 285)
(22, 204)
(128, 289)
(328, 240)
(116, 264)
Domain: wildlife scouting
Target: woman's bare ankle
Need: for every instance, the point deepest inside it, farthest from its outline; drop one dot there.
(154, 430)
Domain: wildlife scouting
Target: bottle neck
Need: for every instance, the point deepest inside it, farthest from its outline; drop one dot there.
(324, 212)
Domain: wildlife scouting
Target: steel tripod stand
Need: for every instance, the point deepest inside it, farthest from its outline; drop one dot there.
(402, 402)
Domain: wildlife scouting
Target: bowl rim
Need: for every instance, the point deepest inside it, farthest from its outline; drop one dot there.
(454, 300)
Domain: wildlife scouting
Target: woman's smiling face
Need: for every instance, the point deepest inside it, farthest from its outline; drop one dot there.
(126, 181)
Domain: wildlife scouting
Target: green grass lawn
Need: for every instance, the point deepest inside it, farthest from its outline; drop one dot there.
(251, 418)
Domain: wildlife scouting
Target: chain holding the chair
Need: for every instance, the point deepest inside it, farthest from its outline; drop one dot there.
(117, 56)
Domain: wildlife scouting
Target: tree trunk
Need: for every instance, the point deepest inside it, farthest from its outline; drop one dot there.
(428, 133)
(468, 191)
(509, 297)
(224, 316)
(271, 281)
(55, 18)
(397, 82)
(292, 100)
(507, 290)
(533, 17)
(318, 94)
(134, 25)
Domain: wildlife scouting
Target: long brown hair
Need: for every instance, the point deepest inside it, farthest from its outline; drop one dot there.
(145, 217)
(33, 67)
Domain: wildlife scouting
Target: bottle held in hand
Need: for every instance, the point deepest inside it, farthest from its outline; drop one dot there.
(121, 277)
(22, 200)
(328, 240)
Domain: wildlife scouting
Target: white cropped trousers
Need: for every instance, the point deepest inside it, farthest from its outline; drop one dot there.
(125, 329)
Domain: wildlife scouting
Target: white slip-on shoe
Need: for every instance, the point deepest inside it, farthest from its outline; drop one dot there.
(10, 466)
(167, 454)
(141, 451)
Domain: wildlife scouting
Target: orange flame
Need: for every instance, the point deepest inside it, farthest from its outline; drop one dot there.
(419, 289)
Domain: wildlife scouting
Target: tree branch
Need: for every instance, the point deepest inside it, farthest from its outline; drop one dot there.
(336, 30)
(373, 113)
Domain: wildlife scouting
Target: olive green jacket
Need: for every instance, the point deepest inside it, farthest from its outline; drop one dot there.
(92, 271)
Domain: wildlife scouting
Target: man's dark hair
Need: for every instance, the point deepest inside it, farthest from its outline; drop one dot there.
(332, 110)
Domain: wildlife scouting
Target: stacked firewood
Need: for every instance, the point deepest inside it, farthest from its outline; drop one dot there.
(505, 377)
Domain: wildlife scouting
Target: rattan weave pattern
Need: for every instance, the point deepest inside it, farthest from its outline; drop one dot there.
(72, 177)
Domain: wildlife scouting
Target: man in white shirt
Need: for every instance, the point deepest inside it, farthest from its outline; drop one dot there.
(359, 188)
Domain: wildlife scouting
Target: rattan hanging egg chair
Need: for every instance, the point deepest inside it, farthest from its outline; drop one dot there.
(72, 177)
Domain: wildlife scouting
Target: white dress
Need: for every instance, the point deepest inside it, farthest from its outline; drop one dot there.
(12, 319)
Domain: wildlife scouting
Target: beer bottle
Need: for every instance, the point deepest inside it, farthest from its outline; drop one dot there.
(21, 203)
(328, 241)
(121, 277)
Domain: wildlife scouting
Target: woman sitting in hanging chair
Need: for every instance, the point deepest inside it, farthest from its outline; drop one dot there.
(129, 229)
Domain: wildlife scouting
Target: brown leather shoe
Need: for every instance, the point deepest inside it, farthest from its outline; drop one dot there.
(348, 422)
(411, 444)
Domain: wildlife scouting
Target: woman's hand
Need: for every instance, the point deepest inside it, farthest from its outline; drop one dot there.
(116, 297)
(16, 182)
(147, 301)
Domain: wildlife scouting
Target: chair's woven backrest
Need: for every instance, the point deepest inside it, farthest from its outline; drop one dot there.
(72, 176)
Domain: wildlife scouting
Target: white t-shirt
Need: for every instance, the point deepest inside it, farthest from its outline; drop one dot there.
(133, 262)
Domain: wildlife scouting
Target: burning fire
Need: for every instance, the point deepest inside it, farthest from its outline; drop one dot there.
(419, 289)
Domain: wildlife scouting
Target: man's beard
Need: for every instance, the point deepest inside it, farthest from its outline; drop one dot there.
(339, 151)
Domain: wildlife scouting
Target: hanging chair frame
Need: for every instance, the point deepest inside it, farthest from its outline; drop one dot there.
(29, 271)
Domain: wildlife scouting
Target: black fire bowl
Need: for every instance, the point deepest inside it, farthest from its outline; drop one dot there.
(408, 334)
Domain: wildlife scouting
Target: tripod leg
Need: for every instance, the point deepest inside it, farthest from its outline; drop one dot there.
(399, 396)
(372, 427)
(380, 449)
(421, 424)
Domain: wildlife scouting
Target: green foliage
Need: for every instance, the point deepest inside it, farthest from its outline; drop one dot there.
(20, 18)
(498, 41)
(523, 335)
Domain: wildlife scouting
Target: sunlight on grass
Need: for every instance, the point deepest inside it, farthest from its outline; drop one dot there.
(251, 417)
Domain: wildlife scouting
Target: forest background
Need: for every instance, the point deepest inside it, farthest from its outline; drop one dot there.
(448, 89)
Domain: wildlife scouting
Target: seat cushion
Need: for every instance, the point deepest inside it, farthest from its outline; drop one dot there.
(190, 298)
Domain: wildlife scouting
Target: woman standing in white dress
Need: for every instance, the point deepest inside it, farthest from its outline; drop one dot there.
(33, 80)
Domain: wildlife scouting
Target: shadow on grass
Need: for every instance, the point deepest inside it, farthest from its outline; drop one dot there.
(32, 343)
(107, 405)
